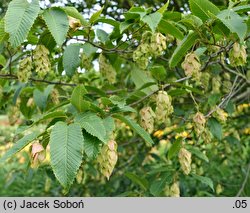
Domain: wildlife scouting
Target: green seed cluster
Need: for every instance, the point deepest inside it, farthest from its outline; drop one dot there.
(86, 62)
(41, 60)
(185, 160)
(199, 123)
(147, 119)
(108, 158)
(238, 55)
(152, 46)
(25, 70)
(106, 69)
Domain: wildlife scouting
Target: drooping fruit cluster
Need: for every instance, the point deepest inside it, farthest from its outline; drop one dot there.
(86, 62)
(55, 96)
(205, 80)
(74, 23)
(220, 115)
(41, 60)
(163, 106)
(25, 69)
(216, 84)
(106, 69)
(185, 160)
(147, 119)
(226, 83)
(152, 45)
(238, 55)
(37, 154)
(192, 66)
(108, 158)
(199, 123)
(174, 190)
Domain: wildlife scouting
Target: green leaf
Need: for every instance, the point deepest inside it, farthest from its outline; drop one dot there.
(3, 35)
(135, 12)
(152, 20)
(91, 145)
(215, 128)
(169, 27)
(142, 182)
(41, 97)
(66, 151)
(47, 40)
(183, 47)
(2, 60)
(198, 153)
(175, 148)
(92, 124)
(19, 19)
(57, 21)
(89, 49)
(73, 12)
(95, 16)
(158, 186)
(50, 115)
(102, 35)
(158, 72)
(138, 129)
(163, 8)
(242, 8)
(207, 181)
(234, 22)
(71, 59)
(109, 124)
(77, 98)
(203, 8)
(19, 145)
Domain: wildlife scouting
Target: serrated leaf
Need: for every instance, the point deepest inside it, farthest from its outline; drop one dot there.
(19, 145)
(47, 40)
(203, 8)
(92, 124)
(50, 115)
(136, 127)
(158, 186)
(88, 49)
(215, 128)
(175, 148)
(41, 97)
(169, 27)
(102, 35)
(95, 16)
(3, 35)
(66, 152)
(142, 182)
(207, 181)
(158, 72)
(152, 20)
(19, 19)
(183, 48)
(73, 12)
(57, 21)
(195, 151)
(71, 59)
(77, 98)
(91, 145)
(135, 12)
(234, 22)
(109, 124)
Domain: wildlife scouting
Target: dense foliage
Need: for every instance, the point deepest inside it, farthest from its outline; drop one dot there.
(136, 100)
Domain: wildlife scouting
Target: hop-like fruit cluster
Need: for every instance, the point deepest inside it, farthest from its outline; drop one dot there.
(41, 60)
(199, 123)
(25, 69)
(238, 55)
(74, 23)
(174, 190)
(216, 84)
(192, 66)
(86, 62)
(226, 84)
(147, 119)
(37, 153)
(163, 106)
(106, 69)
(185, 160)
(152, 45)
(206, 136)
(55, 96)
(220, 115)
(205, 80)
(108, 158)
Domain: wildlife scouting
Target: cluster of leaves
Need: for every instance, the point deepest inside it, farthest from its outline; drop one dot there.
(82, 108)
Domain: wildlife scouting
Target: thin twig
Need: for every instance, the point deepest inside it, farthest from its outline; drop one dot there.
(244, 182)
